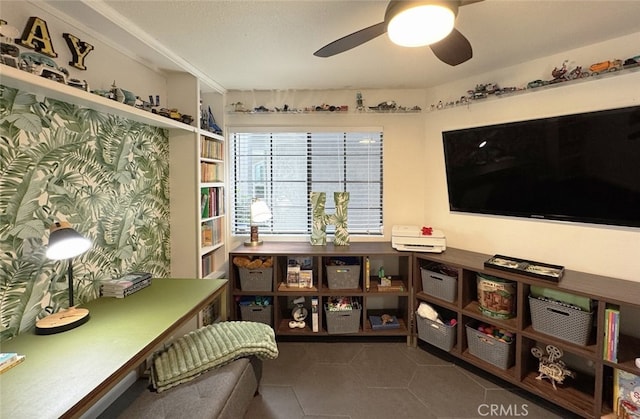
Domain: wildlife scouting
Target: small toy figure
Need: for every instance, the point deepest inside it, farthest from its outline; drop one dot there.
(551, 366)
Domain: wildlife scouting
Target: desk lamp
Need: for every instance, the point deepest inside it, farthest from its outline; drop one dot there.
(64, 243)
(260, 213)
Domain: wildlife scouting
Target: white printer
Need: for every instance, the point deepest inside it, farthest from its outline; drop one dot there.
(418, 239)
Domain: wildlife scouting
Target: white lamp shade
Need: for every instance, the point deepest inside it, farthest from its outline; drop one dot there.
(421, 25)
(65, 242)
(260, 211)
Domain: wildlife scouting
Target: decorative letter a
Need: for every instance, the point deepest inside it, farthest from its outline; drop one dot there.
(321, 220)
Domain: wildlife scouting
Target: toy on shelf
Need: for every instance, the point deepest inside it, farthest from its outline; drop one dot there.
(551, 366)
(559, 75)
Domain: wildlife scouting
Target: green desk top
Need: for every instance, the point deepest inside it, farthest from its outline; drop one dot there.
(63, 374)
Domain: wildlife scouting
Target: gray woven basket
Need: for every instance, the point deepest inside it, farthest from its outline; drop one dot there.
(490, 349)
(260, 314)
(343, 321)
(256, 279)
(437, 334)
(343, 277)
(439, 285)
(560, 321)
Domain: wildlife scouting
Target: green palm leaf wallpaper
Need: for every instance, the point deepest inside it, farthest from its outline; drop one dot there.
(106, 175)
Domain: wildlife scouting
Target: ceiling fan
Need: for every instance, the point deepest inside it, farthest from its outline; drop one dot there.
(414, 23)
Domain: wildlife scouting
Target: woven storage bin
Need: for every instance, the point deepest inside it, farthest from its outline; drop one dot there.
(490, 349)
(343, 277)
(256, 279)
(439, 285)
(437, 334)
(343, 321)
(560, 321)
(253, 313)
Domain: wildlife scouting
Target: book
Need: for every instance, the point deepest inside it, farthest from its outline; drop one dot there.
(626, 394)
(293, 276)
(125, 281)
(611, 332)
(396, 286)
(10, 364)
(123, 292)
(305, 279)
(378, 323)
(7, 357)
(314, 314)
(204, 203)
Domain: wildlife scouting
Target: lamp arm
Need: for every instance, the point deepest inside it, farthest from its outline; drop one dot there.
(70, 276)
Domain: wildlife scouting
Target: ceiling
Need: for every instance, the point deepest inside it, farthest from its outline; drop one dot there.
(269, 45)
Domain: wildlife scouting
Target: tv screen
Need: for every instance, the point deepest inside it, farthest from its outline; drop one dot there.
(581, 168)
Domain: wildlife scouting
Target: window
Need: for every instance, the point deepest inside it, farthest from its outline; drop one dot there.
(283, 168)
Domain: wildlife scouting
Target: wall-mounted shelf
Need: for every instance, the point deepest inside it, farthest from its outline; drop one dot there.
(493, 97)
(356, 112)
(28, 82)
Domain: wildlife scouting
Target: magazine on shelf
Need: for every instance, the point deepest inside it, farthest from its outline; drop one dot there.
(293, 276)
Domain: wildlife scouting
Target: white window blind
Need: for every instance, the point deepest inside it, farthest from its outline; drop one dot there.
(283, 168)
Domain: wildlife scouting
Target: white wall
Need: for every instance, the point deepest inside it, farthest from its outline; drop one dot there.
(404, 166)
(597, 249)
(415, 190)
(105, 64)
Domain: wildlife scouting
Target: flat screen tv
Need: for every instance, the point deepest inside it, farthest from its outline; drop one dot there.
(579, 168)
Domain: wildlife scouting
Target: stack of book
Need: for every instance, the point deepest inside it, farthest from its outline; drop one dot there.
(125, 285)
(9, 360)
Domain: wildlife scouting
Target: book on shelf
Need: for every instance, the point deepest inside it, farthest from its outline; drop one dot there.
(10, 360)
(611, 334)
(299, 272)
(626, 394)
(211, 149)
(204, 202)
(384, 322)
(394, 286)
(211, 201)
(305, 279)
(293, 276)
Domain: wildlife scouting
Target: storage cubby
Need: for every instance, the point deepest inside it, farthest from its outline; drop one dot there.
(444, 334)
(563, 327)
(347, 265)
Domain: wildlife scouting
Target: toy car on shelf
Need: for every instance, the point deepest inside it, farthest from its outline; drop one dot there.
(605, 66)
(9, 54)
(173, 114)
(79, 84)
(536, 83)
(43, 66)
(631, 62)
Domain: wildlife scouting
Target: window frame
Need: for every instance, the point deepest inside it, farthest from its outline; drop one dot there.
(267, 227)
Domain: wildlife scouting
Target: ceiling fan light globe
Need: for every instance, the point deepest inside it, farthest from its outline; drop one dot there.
(421, 25)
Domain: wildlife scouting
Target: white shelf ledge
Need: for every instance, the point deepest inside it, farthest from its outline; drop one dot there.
(22, 80)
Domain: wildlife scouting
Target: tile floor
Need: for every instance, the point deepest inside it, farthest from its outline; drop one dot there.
(380, 380)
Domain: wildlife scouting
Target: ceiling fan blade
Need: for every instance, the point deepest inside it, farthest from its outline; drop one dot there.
(454, 49)
(466, 2)
(353, 40)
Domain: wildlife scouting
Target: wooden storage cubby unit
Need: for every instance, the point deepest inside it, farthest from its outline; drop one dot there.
(588, 395)
(397, 264)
